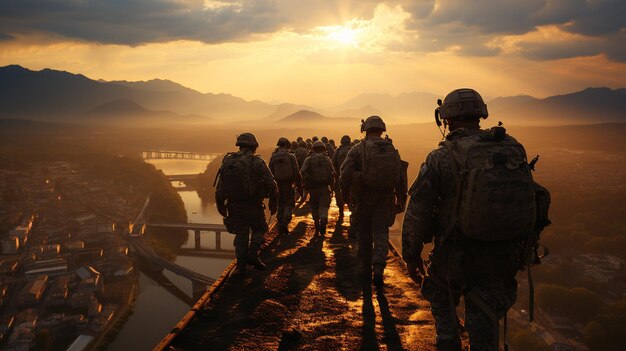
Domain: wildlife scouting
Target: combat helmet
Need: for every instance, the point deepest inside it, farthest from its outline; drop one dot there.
(345, 140)
(373, 123)
(331, 142)
(318, 144)
(324, 140)
(302, 143)
(247, 139)
(283, 142)
(463, 103)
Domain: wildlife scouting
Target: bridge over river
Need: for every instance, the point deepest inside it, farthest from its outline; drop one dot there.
(312, 297)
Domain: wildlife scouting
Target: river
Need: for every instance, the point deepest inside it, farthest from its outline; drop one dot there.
(156, 310)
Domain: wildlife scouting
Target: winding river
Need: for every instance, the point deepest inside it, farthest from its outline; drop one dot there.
(156, 310)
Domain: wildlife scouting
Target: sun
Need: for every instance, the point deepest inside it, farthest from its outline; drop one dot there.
(344, 36)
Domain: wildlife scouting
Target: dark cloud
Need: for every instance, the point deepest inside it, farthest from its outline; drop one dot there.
(470, 26)
(133, 22)
(6, 37)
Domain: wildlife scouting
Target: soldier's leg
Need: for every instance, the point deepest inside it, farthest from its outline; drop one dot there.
(364, 234)
(446, 325)
(485, 305)
(290, 203)
(314, 202)
(324, 205)
(259, 228)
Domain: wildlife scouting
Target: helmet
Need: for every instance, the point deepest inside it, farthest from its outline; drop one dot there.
(294, 144)
(302, 143)
(325, 140)
(318, 144)
(373, 123)
(331, 142)
(284, 142)
(299, 139)
(246, 139)
(309, 145)
(315, 139)
(463, 103)
(345, 140)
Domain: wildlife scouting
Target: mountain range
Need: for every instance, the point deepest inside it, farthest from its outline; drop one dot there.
(52, 95)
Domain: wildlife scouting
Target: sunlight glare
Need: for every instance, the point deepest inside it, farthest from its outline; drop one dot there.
(344, 36)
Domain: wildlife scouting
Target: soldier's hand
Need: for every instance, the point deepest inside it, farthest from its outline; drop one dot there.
(416, 270)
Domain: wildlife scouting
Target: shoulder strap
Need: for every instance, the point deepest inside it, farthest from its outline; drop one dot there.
(459, 190)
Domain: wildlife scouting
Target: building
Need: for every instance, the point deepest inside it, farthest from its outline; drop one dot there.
(10, 246)
(52, 267)
(33, 291)
(58, 291)
(81, 343)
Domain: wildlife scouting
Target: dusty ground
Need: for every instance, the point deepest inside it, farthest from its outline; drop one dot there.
(313, 297)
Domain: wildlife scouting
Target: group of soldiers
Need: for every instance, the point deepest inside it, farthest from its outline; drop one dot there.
(474, 199)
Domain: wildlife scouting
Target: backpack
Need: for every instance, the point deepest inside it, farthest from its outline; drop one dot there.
(340, 155)
(381, 164)
(301, 153)
(282, 167)
(495, 197)
(236, 176)
(319, 172)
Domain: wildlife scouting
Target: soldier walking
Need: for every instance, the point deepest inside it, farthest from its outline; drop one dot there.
(243, 181)
(475, 198)
(373, 169)
(318, 175)
(284, 167)
(338, 157)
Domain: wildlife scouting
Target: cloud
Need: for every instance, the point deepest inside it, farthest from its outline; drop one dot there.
(472, 28)
(6, 37)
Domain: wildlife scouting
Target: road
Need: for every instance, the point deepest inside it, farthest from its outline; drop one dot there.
(312, 297)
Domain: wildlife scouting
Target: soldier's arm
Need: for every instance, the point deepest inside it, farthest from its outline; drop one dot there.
(266, 178)
(419, 216)
(298, 175)
(304, 171)
(220, 198)
(271, 164)
(347, 169)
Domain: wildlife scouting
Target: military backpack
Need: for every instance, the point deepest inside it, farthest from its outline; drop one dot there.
(301, 153)
(236, 176)
(341, 154)
(495, 195)
(282, 166)
(381, 164)
(320, 170)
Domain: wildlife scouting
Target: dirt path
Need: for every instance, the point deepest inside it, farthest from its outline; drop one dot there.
(313, 297)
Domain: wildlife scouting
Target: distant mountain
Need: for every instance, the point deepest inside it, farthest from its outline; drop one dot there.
(313, 119)
(405, 108)
(592, 105)
(58, 95)
(130, 112)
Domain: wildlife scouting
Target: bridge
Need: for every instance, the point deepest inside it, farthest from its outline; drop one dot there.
(178, 155)
(143, 250)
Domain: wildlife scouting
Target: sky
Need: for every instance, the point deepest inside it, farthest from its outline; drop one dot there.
(323, 52)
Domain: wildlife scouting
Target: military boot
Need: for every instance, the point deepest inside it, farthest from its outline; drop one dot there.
(257, 263)
(378, 274)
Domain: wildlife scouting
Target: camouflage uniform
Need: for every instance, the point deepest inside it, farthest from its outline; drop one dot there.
(249, 215)
(374, 210)
(286, 193)
(483, 272)
(340, 198)
(319, 195)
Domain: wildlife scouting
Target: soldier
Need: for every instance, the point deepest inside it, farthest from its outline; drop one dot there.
(338, 157)
(330, 150)
(284, 167)
(301, 152)
(244, 180)
(373, 169)
(317, 175)
(294, 145)
(479, 230)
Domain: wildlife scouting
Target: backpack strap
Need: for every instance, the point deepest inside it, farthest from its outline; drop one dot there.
(459, 191)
